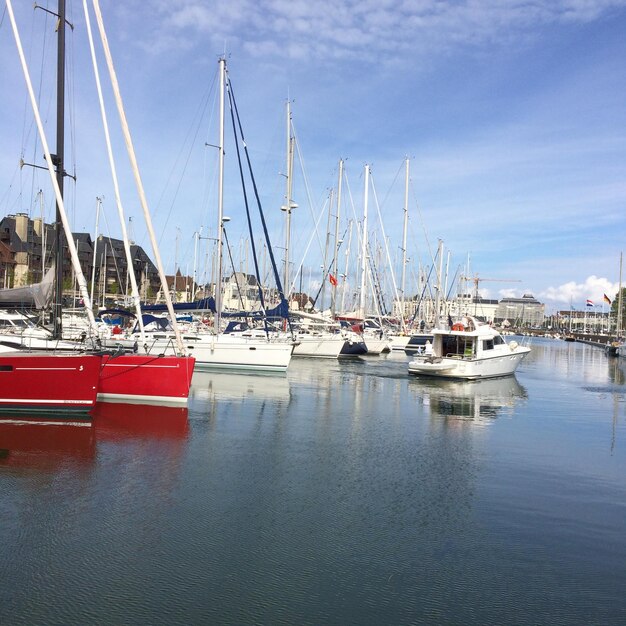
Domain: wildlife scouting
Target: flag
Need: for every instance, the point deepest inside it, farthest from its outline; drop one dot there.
(332, 279)
(607, 299)
(589, 302)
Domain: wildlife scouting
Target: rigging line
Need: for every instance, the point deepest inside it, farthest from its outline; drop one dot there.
(293, 284)
(27, 129)
(308, 246)
(421, 298)
(307, 187)
(419, 213)
(283, 300)
(393, 183)
(199, 115)
(232, 109)
(382, 228)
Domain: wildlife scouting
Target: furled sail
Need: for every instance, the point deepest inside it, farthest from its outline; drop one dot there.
(37, 296)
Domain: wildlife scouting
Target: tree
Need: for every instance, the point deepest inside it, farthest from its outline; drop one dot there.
(614, 306)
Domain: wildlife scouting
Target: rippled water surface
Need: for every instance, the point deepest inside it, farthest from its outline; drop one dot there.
(341, 493)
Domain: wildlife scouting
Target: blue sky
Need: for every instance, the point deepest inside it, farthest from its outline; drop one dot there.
(513, 114)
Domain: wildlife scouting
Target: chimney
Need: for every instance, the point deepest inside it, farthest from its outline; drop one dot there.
(21, 226)
(38, 226)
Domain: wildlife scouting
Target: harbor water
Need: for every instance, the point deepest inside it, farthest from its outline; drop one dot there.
(344, 492)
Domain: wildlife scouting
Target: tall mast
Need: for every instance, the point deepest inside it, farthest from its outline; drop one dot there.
(364, 244)
(333, 296)
(618, 329)
(437, 312)
(58, 162)
(404, 230)
(220, 201)
(289, 204)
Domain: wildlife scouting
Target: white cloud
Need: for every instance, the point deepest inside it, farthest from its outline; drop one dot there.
(361, 29)
(593, 288)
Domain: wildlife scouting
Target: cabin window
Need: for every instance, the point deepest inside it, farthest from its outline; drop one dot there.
(497, 340)
(487, 344)
(458, 346)
(6, 368)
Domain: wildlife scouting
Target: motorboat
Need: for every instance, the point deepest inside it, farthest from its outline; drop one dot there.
(468, 350)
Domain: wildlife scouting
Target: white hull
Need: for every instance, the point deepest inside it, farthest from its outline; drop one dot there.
(319, 347)
(398, 342)
(375, 346)
(224, 351)
(470, 369)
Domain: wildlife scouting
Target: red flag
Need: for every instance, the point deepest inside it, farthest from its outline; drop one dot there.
(332, 279)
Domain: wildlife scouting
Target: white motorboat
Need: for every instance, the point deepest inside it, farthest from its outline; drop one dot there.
(468, 350)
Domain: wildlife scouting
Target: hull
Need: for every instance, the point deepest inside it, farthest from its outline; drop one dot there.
(258, 355)
(145, 379)
(49, 384)
(225, 351)
(416, 343)
(376, 346)
(320, 347)
(353, 348)
(398, 342)
(469, 369)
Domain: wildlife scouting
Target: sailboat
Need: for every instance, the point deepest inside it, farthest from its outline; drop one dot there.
(118, 377)
(38, 382)
(212, 348)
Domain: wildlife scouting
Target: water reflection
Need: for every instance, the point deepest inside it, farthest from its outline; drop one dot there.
(480, 401)
(53, 442)
(211, 386)
(47, 444)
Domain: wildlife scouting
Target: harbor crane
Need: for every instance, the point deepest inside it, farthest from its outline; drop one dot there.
(476, 279)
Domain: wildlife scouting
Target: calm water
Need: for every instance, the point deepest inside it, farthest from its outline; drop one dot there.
(341, 493)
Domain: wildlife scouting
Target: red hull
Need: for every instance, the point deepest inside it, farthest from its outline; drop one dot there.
(145, 379)
(45, 383)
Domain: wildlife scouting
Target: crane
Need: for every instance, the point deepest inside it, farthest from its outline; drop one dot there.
(476, 279)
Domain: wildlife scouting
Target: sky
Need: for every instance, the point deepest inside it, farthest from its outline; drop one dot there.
(512, 114)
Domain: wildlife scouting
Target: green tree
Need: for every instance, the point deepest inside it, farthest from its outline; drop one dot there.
(614, 312)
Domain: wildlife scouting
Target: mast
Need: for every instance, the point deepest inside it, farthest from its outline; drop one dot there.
(437, 312)
(53, 178)
(95, 247)
(333, 293)
(404, 232)
(618, 329)
(364, 244)
(137, 176)
(289, 204)
(326, 245)
(58, 161)
(220, 201)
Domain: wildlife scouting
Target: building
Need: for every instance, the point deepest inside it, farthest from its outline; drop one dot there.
(27, 250)
(526, 311)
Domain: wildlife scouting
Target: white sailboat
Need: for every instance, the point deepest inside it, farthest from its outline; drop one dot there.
(212, 348)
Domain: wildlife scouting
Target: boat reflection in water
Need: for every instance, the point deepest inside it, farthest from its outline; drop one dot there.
(45, 443)
(113, 420)
(480, 400)
(214, 385)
